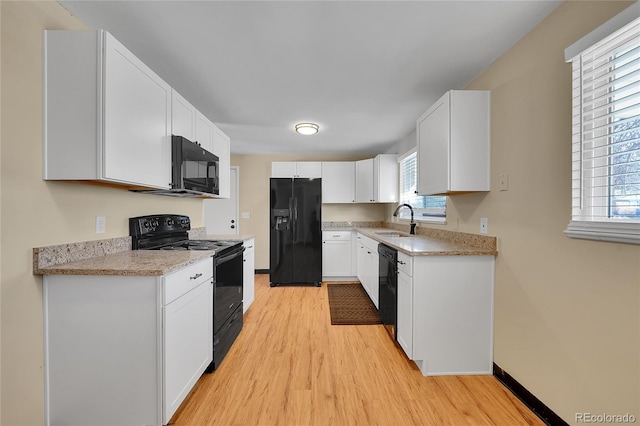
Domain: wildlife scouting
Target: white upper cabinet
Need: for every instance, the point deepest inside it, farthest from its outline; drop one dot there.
(188, 122)
(107, 116)
(385, 178)
(364, 181)
(204, 132)
(222, 148)
(454, 144)
(338, 182)
(183, 117)
(299, 169)
(377, 179)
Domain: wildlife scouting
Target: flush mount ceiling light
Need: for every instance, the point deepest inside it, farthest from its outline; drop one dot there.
(307, 128)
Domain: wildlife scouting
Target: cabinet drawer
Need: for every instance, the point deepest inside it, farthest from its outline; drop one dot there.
(180, 282)
(405, 263)
(370, 243)
(336, 235)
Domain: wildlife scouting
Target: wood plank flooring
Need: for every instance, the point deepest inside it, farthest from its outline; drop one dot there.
(290, 366)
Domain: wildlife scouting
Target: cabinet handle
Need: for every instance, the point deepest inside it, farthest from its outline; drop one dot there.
(195, 277)
(401, 262)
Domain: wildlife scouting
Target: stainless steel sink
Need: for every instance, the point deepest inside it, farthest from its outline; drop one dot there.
(392, 234)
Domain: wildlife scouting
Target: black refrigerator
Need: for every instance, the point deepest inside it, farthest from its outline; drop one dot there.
(295, 238)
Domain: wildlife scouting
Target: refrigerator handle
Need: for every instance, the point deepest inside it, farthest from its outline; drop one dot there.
(295, 209)
(292, 221)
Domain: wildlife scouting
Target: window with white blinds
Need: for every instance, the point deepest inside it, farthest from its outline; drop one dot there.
(606, 139)
(425, 208)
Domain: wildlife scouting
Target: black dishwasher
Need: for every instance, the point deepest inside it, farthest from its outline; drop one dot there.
(388, 287)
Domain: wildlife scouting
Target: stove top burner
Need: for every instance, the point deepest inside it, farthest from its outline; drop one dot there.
(170, 232)
(201, 245)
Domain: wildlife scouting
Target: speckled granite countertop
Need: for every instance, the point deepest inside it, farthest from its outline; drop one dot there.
(132, 262)
(433, 242)
(114, 257)
(426, 245)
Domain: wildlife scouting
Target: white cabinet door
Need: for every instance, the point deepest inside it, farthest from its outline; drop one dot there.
(368, 266)
(338, 182)
(454, 144)
(362, 264)
(183, 117)
(248, 271)
(309, 169)
(188, 344)
(336, 253)
(372, 274)
(404, 327)
(385, 178)
(283, 169)
(107, 108)
(292, 169)
(222, 148)
(204, 132)
(433, 156)
(364, 181)
(137, 114)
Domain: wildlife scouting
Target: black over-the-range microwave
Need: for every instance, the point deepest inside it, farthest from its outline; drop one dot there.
(194, 171)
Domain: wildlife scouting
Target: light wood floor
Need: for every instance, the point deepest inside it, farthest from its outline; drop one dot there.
(290, 366)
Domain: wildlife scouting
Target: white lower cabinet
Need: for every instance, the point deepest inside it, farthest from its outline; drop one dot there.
(367, 255)
(186, 353)
(125, 350)
(337, 249)
(445, 313)
(248, 274)
(404, 325)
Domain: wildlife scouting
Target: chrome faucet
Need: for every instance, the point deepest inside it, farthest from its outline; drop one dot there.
(412, 224)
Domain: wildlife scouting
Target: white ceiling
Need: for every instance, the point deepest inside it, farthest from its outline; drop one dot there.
(362, 70)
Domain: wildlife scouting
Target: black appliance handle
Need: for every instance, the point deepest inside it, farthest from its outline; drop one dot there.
(217, 260)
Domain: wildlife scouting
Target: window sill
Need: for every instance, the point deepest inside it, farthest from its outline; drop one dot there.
(615, 232)
(435, 220)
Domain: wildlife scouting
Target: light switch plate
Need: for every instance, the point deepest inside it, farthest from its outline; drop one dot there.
(101, 225)
(504, 182)
(484, 225)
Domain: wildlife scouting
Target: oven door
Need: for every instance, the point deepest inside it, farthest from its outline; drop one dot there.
(228, 277)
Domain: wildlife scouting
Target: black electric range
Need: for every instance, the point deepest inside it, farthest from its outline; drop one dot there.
(171, 232)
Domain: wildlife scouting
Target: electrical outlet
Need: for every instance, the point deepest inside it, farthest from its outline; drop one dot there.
(246, 215)
(101, 225)
(484, 225)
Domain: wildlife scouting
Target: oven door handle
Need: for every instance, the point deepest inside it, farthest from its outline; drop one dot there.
(228, 256)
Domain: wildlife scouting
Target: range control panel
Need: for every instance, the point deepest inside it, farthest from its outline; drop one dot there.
(169, 223)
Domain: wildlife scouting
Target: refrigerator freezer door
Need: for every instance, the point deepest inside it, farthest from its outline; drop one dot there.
(280, 235)
(296, 253)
